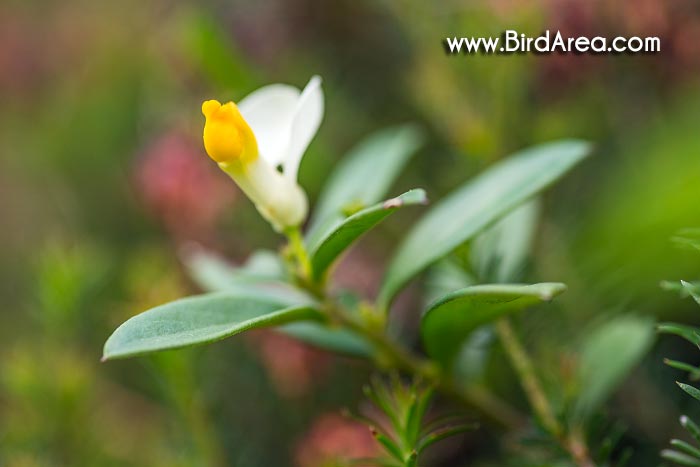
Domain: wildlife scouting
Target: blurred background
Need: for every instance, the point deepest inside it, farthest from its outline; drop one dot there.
(104, 183)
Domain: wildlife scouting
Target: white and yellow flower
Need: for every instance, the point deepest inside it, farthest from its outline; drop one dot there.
(260, 142)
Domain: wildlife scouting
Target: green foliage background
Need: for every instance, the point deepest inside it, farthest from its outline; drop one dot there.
(88, 90)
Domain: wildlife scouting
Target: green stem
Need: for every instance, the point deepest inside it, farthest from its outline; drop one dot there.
(392, 354)
(298, 250)
(531, 384)
(572, 442)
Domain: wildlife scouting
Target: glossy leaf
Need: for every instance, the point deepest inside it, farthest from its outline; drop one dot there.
(338, 239)
(449, 321)
(608, 354)
(364, 176)
(476, 205)
(198, 320)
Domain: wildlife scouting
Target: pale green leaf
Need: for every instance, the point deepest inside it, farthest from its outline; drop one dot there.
(198, 320)
(476, 205)
(608, 354)
(499, 253)
(338, 340)
(262, 275)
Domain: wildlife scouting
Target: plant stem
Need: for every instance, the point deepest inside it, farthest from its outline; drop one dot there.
(399, 357)
(576, 445)
(393, 354)
(574, 442)
(298, 250)
(531, 384)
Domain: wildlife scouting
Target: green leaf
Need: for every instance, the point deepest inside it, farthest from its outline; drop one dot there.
(198, 320)
(686, 447)
(470, 359)
(364, 176)
(449, 321)
(262, 275)
(499, 254)
(688, 238)
(691, 427)
(476, 205)
(680, 458)
(691, 390)
(608, 354)
(692, 290)
(693, 371)
(444, 277)
(444, 433)
(336, 339)
(338, 239)
(689, 333)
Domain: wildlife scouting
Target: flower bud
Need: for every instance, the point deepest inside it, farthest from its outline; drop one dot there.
(229, 140)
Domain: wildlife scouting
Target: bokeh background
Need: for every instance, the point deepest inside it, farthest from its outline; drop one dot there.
(104, 184)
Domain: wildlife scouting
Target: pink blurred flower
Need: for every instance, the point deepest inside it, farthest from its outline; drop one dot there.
(292, 366)
(333, 438)
(22, 63)
(179, 185)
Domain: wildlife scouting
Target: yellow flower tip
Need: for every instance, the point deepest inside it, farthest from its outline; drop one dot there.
(209, 107)
(227, 136)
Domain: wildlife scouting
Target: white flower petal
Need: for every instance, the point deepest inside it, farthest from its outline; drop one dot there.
(270, 113)
(307, 119)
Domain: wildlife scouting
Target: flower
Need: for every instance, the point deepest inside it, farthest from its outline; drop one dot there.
(260, 142)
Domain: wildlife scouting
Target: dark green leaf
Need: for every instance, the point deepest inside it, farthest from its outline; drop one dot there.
(689, 333)
(341, 236)
(388, 444)
(609, 353)
(198, 320)
(693, 391)
(686, 447)
(476, 205)
(444, 433)
(449, 321)
(693, 371)
(364, 176)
